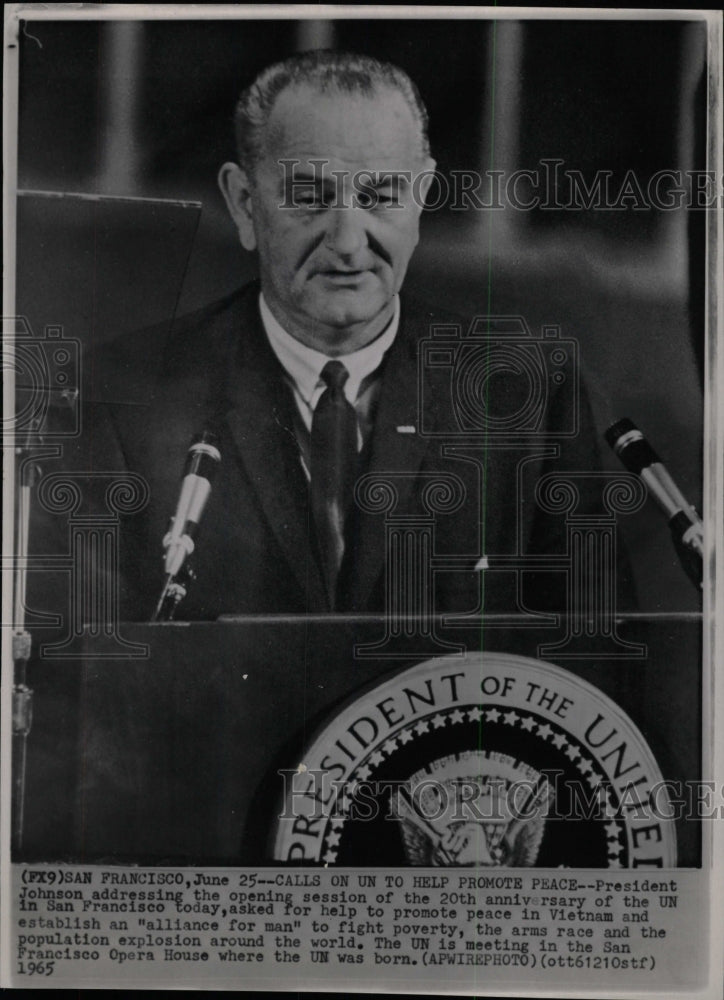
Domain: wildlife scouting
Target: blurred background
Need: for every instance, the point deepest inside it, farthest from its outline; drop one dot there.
(138, 109)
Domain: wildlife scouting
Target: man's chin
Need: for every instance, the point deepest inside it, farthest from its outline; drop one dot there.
(350, 312)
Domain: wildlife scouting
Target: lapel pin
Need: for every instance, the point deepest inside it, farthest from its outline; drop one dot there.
(406, 429)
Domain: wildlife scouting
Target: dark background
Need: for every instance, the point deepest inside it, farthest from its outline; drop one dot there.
(144, 109)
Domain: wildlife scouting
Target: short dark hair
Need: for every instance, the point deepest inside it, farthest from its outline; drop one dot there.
(325, 69)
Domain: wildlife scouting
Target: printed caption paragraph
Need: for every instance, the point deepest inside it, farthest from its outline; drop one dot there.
(83, 925)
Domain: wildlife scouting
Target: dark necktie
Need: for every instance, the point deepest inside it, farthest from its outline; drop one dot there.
(333, 469)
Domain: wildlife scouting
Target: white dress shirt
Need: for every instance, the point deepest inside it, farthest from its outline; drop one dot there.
(303, 366)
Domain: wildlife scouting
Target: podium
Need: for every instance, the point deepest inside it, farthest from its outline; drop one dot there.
(173, 758)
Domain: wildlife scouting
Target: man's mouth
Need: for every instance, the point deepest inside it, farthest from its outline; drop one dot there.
(344, 272)
(341, 277)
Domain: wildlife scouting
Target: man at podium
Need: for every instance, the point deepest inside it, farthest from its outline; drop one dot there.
(340, 410)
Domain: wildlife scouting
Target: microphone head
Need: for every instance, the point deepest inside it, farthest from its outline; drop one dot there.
(206, 437)
(618, 429)
(203, 456)
(630, 445)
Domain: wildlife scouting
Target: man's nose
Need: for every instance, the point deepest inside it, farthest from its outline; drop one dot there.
(346, 230)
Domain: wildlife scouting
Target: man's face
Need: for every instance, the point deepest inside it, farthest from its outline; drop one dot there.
(334, 223)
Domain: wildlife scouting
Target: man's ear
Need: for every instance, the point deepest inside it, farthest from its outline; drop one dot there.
(428, 169)
(236, 189)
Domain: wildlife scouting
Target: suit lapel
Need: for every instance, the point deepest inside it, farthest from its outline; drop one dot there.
(259, 417)
(258, 409)
(396, 449)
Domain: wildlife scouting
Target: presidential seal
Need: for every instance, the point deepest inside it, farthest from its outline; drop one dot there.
(439, 828)
(489, 759)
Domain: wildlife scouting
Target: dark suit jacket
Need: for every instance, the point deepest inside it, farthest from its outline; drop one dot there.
(156, 389)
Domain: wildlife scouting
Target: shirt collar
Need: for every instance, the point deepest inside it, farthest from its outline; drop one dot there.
(304, 365)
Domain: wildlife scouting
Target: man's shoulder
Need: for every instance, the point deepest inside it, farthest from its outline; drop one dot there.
(195, 350)
(192, 346)
(420, 317)
(208, 333)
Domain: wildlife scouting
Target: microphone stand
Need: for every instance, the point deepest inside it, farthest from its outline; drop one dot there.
(178, 544)
(687, 529)
(174, 591)
(22, 695)
(688, 539)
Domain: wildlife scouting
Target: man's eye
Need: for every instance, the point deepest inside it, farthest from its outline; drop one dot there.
(311, 200)
(377, 199)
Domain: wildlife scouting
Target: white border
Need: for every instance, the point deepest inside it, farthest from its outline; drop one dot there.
(324, 12)
(10, 129)
(714, 410)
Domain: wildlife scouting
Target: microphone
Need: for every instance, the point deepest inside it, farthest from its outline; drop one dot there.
(201, 466)
(686, 526)
(202, 462)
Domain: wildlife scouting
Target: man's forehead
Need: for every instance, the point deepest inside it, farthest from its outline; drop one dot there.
(307, 123)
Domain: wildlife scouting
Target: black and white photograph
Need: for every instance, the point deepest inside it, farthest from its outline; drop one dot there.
(362, 499)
